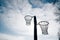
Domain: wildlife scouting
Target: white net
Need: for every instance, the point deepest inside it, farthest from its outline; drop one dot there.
(44, 27)
(28, 19)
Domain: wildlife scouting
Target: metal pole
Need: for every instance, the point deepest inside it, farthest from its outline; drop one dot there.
(35, 28)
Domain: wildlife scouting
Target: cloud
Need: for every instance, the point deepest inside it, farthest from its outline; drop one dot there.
(10, 37)
(41, 3)
(57, 13)
(13, 19)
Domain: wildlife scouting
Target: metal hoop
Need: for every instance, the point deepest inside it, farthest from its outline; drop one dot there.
(46, 23)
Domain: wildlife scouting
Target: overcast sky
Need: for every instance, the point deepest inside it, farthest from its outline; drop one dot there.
(13, 25)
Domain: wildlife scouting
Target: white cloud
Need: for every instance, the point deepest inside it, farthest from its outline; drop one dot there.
(10, 37)
(14, 20)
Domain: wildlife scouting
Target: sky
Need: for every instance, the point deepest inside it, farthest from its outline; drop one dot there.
(13, 25)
